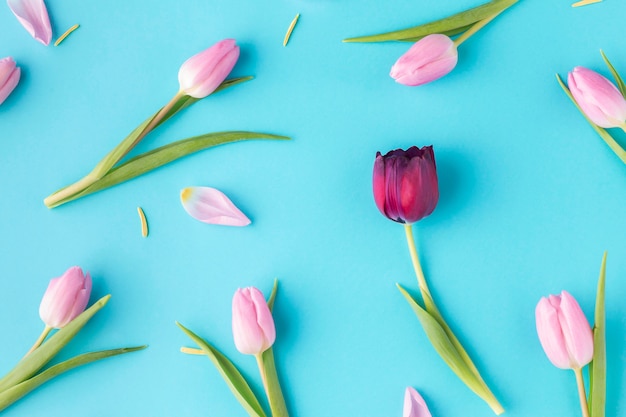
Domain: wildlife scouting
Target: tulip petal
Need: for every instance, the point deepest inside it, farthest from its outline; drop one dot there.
(9, 77)
(210, 205)
(576, 331)
(550, 333)
(33, 15)
(414, 404)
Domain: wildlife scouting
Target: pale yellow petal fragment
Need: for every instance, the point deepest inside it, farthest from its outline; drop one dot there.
(192, 351)
(585, 2)
(66, 34)
(144, 223)
(291, 26)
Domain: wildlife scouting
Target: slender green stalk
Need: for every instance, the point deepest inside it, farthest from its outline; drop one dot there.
(582, 395)
(475, 28)
(417, 266)
(274, 393)
(46, 331)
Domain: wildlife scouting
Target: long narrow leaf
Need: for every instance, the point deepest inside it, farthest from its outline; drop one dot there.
(448, 352)
(235, 381)
(450, 23)
(32, 363)
(272, 297)
(16, 392)
(608, 139)
(597, 372)
(148, 161)
(450, 33)
(618, 78)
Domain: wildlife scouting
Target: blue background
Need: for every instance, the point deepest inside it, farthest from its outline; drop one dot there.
(530, 199)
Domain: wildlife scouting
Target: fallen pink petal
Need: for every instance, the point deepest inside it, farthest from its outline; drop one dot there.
(210, 205)
(414, 404)
(33, 15)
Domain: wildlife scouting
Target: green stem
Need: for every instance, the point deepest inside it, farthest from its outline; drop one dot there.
(274, 393)
(581, 392)
(42, 337)
(475, 28)
(419, 272)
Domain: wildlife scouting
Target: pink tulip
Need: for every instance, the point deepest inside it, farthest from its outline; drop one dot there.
(253, 324)
(414, 404)
(201, 74)
(564, 332)
(405, 184)
(210, 205)
(66, 297)
(33, 15)
(428, 59)
(9, 77)
(598, 98)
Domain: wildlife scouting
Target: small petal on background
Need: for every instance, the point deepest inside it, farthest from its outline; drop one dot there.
(211, 206)
(33, 15)
(414, 404)
(9, 77)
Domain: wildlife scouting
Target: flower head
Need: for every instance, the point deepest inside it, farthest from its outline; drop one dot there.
(597, 97)
(66, 297)
(414, 404)
(9, 77)
(201, 74)
(564, 331)
(428, 59)
(253, 324)
(33, 15)
(405, 184)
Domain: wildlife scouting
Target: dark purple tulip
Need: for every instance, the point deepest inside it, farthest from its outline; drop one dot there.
(405, 184)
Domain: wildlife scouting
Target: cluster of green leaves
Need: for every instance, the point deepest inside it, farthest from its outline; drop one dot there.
(109, 171)
(28, 375)
(237, 383)
(604, 134)
(450, 26)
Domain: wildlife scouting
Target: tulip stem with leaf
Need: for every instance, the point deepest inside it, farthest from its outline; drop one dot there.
(570, 343)
(254, 334)
(63, 308)
(601, 102)
(406, 190)
(200, 76)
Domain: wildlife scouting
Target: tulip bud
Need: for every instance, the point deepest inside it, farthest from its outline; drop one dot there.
(253, 324)
(564, 332)
(66, 297)
(9, 77)
(414, 404)
(201, 74)
(428, 59)
(405, 184)
(597, 97)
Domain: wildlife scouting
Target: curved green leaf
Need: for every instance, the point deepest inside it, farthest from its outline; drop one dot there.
(148, 161)
(597, 368)
(456, 21)
(235, 381)
(272, 297)
(36, 360)
(16, 392)
(606, 136)
(450, 355)
(450, 33)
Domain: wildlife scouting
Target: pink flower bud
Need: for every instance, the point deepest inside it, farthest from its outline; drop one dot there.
(9, 77)
(428, 59)
(66, 297)
(201, 74)
(33, 15)
(414, 404)
(253, 324)
(598, 98)
(405, 184)
(564, 332)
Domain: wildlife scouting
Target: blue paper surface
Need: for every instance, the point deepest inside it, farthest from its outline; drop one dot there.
(530, 199)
